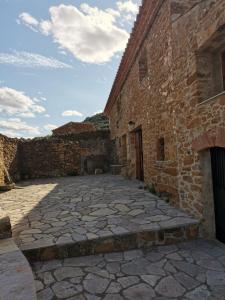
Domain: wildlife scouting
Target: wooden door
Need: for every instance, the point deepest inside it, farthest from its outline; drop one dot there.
(218, 173)
(139, 155)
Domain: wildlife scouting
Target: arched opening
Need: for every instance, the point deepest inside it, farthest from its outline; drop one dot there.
(218, 176)
(211, 148)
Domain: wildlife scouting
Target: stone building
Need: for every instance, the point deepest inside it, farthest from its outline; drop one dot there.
(167, 105)
(74, 128)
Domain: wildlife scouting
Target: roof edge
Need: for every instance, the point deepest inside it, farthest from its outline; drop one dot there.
(145, 19)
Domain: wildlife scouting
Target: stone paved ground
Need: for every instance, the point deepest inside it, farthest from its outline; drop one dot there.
(74, 209)
(188, 271)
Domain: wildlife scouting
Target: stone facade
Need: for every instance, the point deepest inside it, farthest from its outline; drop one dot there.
(74, 128)
(72, 154)
(179, 98)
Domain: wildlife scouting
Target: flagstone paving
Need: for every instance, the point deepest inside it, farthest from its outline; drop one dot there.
(189, 271)
(75, 209)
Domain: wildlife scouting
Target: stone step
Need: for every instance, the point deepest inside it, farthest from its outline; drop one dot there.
(44, 250)
(191, 270)
(16, 277)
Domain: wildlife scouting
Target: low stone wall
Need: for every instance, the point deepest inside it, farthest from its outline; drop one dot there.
(72, 154)
(9, 158)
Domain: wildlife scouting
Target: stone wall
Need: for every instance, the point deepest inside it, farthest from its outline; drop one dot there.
(74, 154)
(172, 101)
(65, 155)
(9, 158)
(2, 179)
(74, 128)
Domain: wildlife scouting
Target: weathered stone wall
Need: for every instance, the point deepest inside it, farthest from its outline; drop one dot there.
(170, 101)
(65, 155)
(72, 154)
(9, 158)
(145, 104)
(74, 128)
(1, 164)
(49, 158)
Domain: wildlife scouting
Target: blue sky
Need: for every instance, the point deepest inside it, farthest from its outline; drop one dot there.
(58, 60)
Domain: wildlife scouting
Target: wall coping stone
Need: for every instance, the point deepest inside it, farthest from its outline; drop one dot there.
(213, 98)
(16, 277)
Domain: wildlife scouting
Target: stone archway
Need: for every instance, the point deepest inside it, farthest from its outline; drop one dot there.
(202, 144)
(209, 139)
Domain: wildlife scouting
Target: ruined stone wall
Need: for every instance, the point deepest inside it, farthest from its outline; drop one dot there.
(9, 157)
(65, 155)
(74, 128)
(172, 101)
(1, 164)
(74, 154)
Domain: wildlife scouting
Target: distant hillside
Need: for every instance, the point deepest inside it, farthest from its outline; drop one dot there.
(100, 121)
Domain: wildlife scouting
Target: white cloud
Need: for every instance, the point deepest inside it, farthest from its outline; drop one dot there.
(70, 113)
(13, 102)
(31, 60)
(47, 115)
(50, 127)
(127, 6)
(92, 35)
(28, 20)
(15, 127)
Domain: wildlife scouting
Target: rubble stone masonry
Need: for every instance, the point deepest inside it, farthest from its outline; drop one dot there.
(181, 99)
(71, 154)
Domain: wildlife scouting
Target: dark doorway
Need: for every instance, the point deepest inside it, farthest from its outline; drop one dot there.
(218, 173)
(139, 155)
(223, 69)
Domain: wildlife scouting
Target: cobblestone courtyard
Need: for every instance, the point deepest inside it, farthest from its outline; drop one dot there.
(63, 213)
(188, 271)
(74, 209)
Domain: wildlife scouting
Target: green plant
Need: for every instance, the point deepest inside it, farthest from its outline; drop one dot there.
(151, 188)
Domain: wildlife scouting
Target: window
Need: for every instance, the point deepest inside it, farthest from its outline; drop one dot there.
(210, 63)
(161, 149)
(143, 66)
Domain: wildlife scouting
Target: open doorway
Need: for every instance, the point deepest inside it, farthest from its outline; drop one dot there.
(139, 154)
(218, 174)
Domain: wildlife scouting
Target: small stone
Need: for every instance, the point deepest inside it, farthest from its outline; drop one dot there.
(39, 285)
(64, 289)
(188, 282)
(46, 294)
(215, 278)
(111, 257)
(113, 297)
(95, 284)
(169, 287)
(140, 291)
(132, 254)
(150, 279)
(67, 272)
(128, 281)
(201, 293)
(136, 212)
(48, 278)
(113, 288)
(103, 212)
